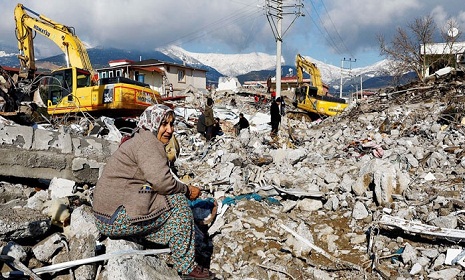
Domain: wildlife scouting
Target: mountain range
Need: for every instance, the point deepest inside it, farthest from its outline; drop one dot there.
(246, 67)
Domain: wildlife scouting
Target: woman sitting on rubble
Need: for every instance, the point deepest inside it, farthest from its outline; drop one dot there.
(137, 195)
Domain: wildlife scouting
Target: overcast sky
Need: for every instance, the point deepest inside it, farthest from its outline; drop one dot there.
(330, 30)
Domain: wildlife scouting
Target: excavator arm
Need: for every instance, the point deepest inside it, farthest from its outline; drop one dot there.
(63, 36)
(302, 65)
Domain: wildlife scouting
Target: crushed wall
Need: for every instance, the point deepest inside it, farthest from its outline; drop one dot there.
(26, 152)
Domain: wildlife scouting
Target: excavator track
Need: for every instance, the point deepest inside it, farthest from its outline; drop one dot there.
(299, 115)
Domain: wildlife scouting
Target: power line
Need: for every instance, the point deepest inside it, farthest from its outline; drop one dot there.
(220, 23)
(331, 41)
(335, 29)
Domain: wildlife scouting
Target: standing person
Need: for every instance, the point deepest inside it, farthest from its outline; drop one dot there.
(171, 90)
(137, 195)
(283, 106)
(241, 124)
(209, 118)
(275, 116)
(268, 84)
(256, 100)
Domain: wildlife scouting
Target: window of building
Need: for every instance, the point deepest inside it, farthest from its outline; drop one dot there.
(141, 78)
(119, 73)
(102, 75)
(181, 76)
(110, 74)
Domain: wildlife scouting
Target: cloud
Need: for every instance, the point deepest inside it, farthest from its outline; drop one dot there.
(359, 21)
(330, 30)
(148, 24)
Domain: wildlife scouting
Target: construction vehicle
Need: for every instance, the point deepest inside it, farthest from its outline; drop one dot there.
(312, 98)
(74, 88)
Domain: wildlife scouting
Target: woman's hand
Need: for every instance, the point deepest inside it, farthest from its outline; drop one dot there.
(192, 192)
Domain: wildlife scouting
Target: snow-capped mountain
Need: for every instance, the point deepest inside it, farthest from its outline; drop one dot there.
(234, 65)
(228, 64)
(5, 54)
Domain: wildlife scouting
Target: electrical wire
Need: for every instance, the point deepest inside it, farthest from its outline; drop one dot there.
(220, 23)
(326, 33)
(335, 29)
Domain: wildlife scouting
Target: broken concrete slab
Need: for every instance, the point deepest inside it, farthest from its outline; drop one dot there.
(45, 249)
(135, 267)
(20, 223)
(38, 153)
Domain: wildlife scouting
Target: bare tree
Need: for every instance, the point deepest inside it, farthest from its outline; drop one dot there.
(405, 46)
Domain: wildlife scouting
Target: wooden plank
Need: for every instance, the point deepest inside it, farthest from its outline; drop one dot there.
(118, 254)
(8, 114)
(418, 228)
(299, 192)
(16, 264)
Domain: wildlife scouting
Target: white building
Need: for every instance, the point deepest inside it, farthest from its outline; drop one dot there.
(440, 55)
(228, 83)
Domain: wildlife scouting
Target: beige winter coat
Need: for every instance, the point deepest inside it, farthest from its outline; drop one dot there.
(209, 117)
(137, 177)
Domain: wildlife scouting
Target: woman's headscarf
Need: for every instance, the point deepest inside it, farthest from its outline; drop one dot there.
(152, 117)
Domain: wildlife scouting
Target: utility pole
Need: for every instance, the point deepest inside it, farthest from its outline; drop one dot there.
(279, 42)
(275, 10)
(350, 60)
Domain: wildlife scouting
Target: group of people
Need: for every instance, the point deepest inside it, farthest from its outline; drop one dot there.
(210, 127)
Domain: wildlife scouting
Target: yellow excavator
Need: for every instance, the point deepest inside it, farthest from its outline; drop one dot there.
(75, 88)
(312, 98)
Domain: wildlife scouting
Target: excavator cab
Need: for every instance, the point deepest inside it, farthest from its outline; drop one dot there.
(299, 95)
(61, 84)
(303, 91)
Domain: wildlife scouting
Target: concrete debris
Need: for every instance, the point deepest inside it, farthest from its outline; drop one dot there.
(418, 228)
(373, 193)
(455, 256)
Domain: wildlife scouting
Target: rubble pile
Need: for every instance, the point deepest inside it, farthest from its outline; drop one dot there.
(374, 193)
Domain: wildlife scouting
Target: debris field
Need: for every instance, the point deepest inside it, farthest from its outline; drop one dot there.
(373, 193)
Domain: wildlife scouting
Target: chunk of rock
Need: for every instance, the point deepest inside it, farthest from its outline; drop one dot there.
(135, 266)
(360, 212)
(45, 249)
(445, 274)
(309, 205)
(445, 222)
